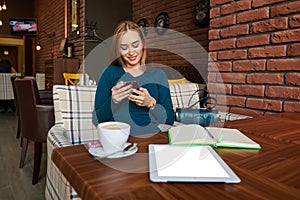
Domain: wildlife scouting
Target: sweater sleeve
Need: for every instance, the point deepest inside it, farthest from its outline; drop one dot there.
(163, 111)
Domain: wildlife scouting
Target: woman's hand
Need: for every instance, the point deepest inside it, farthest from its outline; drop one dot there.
(120, 92)
(142, 97)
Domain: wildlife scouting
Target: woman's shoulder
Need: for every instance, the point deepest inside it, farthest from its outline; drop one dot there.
(112, 69)
(156, 71)
(111, 72)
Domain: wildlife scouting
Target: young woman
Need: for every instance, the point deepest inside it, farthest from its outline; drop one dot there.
(117, 99)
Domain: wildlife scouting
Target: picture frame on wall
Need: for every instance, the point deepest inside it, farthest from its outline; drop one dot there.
(74, 18)
(201, 13)
(162, 23)
(143, 24)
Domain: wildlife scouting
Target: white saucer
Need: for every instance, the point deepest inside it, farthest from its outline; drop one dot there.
(98, 152)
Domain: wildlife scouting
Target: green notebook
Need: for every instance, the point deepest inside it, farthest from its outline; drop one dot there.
(218, 137)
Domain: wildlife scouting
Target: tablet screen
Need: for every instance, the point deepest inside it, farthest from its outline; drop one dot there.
(188, 163)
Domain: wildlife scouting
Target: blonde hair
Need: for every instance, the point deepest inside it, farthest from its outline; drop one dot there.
(116, 40)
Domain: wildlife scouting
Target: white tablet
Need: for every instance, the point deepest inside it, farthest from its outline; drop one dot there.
(174, 163)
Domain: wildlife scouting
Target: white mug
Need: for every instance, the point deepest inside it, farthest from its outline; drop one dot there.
(113, 135)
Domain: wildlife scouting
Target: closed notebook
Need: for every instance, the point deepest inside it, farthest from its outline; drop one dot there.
(218, 137)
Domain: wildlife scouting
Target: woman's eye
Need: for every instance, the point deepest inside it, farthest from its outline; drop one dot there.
(135, 45)
(123, 48)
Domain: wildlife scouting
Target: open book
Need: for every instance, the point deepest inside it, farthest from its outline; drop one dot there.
(218, 137)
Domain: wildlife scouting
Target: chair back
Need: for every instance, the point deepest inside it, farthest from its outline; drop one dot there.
(73, 108)
(72, 79)
(34, 123)
(12, 78)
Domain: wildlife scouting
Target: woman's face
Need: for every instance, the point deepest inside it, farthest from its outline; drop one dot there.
(131, 49)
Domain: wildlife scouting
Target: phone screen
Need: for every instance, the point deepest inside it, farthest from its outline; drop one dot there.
(134, 84)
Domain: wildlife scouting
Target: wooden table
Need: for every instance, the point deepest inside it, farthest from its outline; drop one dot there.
(270, 173)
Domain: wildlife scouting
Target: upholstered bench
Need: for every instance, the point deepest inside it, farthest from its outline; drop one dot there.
(73, 108)
(181, 94)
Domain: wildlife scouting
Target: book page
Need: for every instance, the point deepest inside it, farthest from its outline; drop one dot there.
(189, 134)
(187, 161)
(232, 137)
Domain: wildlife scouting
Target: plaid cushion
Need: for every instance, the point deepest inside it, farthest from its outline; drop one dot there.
(73, 107)
(57, 186)
(181, 94)
(6, 90)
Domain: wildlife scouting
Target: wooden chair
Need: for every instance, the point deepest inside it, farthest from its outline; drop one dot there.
(72, 79)
(35, 121)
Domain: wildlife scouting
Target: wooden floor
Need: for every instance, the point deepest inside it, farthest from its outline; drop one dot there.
(15, 183)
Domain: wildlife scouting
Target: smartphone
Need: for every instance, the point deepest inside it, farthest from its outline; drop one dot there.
(133, 84)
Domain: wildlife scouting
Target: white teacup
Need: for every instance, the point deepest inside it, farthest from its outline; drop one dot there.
(113, 135)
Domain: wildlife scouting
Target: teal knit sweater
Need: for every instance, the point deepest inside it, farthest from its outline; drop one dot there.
(141, 119)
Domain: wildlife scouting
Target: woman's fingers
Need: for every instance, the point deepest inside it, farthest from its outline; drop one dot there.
(120, 92)
(141, 97)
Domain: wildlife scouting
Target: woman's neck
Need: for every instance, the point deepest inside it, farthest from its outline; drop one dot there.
(136, 70)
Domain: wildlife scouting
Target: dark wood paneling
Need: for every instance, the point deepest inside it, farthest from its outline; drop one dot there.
(55, 68)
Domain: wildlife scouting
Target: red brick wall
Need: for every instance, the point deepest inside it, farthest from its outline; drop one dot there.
(255, 46)
(51, 19)
(180, 17)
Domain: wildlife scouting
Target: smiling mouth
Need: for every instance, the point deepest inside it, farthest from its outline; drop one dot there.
(132, 58)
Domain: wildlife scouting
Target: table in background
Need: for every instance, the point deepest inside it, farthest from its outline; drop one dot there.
(6, 90)
(271, 173)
